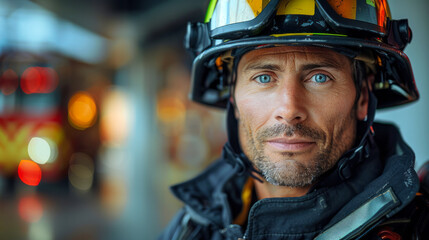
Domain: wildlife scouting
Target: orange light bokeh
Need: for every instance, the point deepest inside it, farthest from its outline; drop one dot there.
(170, 109)
(29, 172)
(82, 110)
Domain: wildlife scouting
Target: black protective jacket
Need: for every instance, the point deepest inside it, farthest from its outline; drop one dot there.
(374, 198)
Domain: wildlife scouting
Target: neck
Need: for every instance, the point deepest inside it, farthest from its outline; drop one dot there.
(267, 190)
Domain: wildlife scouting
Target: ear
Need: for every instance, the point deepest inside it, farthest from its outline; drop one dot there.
(362, 103)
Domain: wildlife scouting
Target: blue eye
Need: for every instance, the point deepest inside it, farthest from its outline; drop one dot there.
(263, 78)
(319, 78)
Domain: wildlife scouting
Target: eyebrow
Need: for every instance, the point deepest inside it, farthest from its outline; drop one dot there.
(323, 63)
(263, 66)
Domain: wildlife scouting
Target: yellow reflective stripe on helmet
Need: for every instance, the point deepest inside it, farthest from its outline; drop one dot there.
(304, 34)
(296, 7)
(346, 9)
(257, 5)
(210, 10)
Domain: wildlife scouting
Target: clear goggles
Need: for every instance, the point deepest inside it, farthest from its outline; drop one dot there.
(232, 19)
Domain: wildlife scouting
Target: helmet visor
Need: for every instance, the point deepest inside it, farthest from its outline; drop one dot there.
(227, 12)
(370, 11)
(359, 16)
(231, 19)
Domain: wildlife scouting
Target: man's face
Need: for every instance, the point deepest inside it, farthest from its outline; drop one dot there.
(297, 111)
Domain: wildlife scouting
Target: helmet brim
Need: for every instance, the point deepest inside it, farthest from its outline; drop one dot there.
(397, 80)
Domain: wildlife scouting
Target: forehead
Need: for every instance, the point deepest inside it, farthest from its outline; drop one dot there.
(297, 53)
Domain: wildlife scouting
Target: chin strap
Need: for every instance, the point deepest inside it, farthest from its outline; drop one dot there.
(232, 152)
(353, 157)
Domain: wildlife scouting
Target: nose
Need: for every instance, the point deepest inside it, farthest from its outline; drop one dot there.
(291, 103)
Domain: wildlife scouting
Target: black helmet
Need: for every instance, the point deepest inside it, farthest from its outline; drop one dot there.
(361, 29)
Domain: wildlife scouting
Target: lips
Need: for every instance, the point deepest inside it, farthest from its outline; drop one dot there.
(291, 144)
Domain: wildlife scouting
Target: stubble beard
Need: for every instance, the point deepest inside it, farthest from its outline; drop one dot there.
(292, 173)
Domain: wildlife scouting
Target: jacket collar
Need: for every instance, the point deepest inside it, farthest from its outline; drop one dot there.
(386, 195)
(215, 194)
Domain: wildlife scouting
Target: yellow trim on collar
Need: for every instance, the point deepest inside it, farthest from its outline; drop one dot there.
(246, 199)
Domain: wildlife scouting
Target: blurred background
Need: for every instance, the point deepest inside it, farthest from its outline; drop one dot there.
(95, 122)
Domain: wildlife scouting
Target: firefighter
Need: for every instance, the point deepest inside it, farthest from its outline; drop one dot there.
(301, 81)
